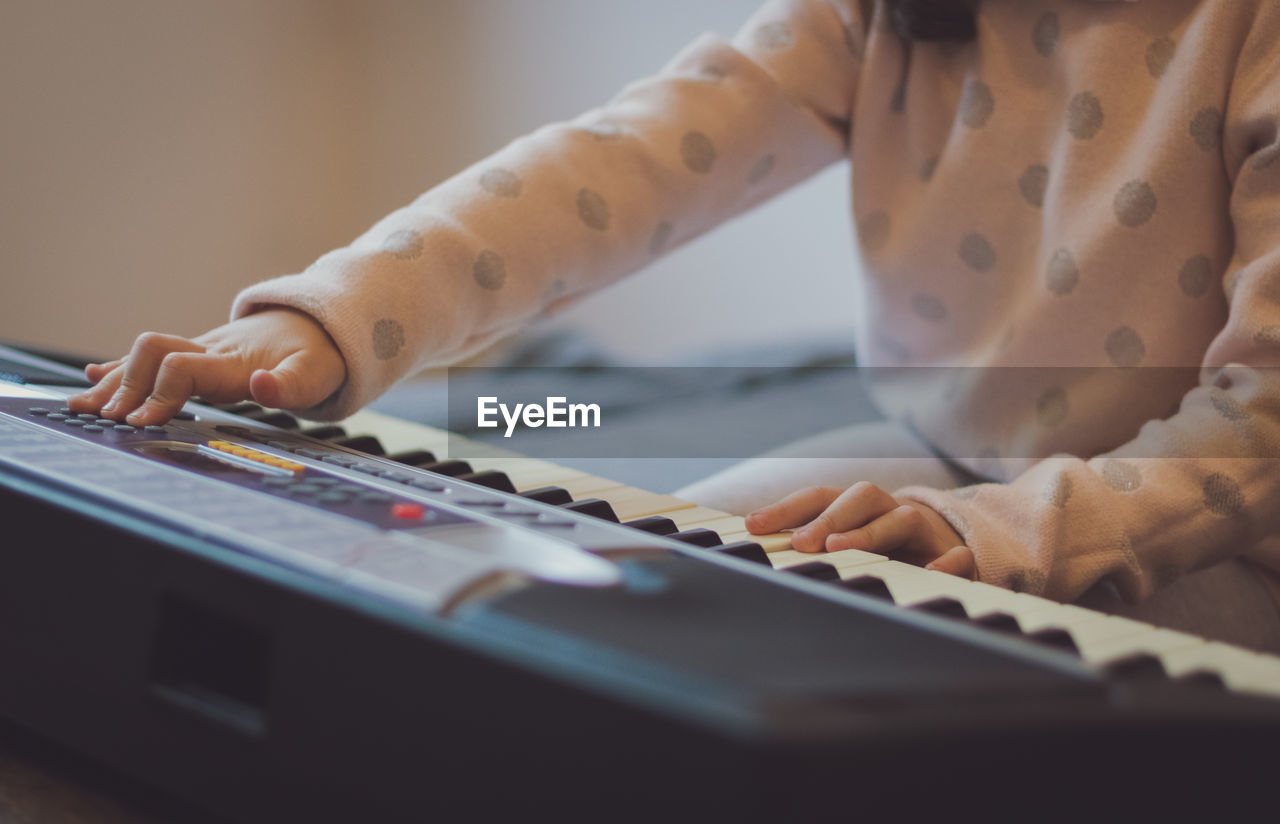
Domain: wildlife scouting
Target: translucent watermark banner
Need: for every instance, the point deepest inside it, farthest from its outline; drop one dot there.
(965, 414)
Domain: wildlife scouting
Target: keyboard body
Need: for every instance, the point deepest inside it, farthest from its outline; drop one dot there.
(151, 619)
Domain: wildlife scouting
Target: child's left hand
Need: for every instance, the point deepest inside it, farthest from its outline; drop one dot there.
(866, 517)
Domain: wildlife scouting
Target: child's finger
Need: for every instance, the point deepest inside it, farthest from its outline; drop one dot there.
(793, 510)
(141, 368)
(183, 374)
(93, 399)
(96, 371)
(957, 561)
(303, 379)
(857, 506)
(893, 530)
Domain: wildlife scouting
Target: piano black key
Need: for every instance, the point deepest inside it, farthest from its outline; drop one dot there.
(367, 444)
(999, 622)
(238, 408)
(1203, 679)
(868, 585)
(595, 507)
(817, 570)
(451, 468)
(325, 432)
(654, 524)
(413, 457)
(492, 478)
(274, 417)
(1056, 638)
(1139, 666)
(944, 606)
(746, 550)
(554, 495)
(698, 536)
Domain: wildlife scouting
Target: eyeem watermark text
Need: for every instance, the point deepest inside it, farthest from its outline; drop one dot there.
(557, 413)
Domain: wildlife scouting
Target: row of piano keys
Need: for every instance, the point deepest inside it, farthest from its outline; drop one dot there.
(1106, 642)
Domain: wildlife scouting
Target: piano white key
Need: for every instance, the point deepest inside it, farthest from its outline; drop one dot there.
(527, 473)
(690, 517)
(588, 486)
(724, 525)
(1240, 669)
(629, 502)
(843, 560)
(1155, 641)
(777, 542)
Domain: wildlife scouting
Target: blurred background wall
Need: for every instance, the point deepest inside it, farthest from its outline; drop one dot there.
(159, 155)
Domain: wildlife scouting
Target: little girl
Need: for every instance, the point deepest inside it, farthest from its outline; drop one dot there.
(1069, 213)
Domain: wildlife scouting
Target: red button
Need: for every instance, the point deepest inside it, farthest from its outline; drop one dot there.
(408, 511)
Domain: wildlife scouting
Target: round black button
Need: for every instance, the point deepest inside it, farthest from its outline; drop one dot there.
(92, 427)
(154, 428)
(85, 416)
(124, 427)
(73, 422)
(38, 410)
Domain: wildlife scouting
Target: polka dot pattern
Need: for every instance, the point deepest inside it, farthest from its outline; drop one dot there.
(593, 210)
(501, 182)
(1121, 476)
(1195, 276)
(1135, 203)
(698, 152)
(1062, 274)
(1084, 116)
(929, 307)
(761, 170)
(1159, 55)
(489, 270)
(1125, 348)
(977, 104)
(1045, 34)
(873, 231)
(1052, 407)
(1206, 129)
(661, 236)
(977, 253)
(1267, 336)
(1033, 183)
(774, 36)
(1225, 404)
(388, 339)
(1222, 496)
(404, 244)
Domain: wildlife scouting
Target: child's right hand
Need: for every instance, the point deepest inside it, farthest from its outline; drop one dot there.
(279, 357)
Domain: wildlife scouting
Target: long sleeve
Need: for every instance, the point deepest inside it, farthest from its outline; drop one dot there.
(576, 205)
(1201, 485)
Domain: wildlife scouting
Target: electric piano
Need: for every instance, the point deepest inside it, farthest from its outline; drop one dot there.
(273, 622)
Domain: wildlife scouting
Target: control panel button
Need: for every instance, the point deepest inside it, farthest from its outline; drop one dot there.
(408, 511)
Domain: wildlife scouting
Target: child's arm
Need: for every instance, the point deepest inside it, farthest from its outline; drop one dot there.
(1189, 491)
(576, 205)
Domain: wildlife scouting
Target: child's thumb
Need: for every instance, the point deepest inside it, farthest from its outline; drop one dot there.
(297, 382)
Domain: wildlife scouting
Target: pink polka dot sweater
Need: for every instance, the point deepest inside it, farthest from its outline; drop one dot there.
(1071, 234)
